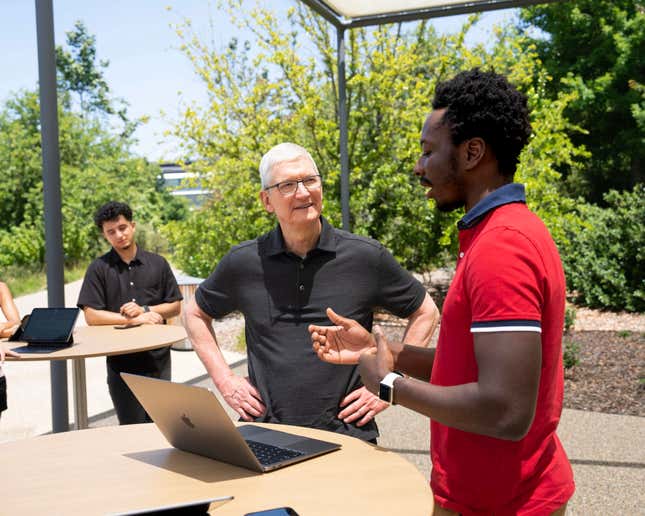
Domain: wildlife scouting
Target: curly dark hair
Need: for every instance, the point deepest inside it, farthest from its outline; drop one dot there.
(486, 105)
(111, 211)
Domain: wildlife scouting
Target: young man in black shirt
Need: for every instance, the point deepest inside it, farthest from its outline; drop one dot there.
(129, 286)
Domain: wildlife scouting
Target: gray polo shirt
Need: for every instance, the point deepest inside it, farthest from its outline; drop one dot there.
(280, 294)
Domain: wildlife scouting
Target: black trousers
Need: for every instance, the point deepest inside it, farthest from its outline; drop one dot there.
(3, 393)
(154, 364)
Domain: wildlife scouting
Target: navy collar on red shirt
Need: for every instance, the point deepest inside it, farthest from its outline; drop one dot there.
(512, 192)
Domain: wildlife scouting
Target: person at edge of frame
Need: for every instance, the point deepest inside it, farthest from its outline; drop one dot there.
(7, 329)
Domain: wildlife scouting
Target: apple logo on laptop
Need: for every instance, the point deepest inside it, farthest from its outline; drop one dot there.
(187, 421)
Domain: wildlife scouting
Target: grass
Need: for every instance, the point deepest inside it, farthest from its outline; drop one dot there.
(29, 279)
(240, 343)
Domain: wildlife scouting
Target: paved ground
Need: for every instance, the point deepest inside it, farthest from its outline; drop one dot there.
(607, 451)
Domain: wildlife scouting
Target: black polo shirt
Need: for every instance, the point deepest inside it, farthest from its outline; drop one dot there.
(109, 283)
(280, 294)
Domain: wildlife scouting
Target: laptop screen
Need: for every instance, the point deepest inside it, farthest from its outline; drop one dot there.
(50, 325)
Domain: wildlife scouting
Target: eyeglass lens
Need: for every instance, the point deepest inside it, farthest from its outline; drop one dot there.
(289, 187)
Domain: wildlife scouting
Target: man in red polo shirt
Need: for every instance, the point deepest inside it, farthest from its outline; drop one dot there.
(496, 379)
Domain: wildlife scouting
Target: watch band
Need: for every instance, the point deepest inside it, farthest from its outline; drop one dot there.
(386, 387)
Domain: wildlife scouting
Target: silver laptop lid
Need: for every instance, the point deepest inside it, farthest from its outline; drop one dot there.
(192, 419)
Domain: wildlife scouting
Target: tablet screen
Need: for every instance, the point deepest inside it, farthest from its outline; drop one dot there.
(50, 325)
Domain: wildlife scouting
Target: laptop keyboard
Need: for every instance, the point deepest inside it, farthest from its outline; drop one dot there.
(268, 454)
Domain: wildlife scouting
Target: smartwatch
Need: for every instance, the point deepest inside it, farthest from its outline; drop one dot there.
(386, 387)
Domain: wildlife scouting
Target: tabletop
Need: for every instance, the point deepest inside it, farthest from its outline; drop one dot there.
(94, 341)
(121, 468)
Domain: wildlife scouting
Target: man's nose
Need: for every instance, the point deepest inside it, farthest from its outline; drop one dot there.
(301, 188)
(418, 169)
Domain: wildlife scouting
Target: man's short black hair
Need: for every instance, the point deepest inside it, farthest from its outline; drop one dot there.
(111, 211)
(484, 104)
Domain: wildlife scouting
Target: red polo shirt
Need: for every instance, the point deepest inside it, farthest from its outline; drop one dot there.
(508, 278)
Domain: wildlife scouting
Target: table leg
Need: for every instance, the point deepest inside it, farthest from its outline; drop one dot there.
(80, 394)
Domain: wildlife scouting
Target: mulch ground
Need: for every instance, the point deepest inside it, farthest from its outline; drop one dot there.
(610, 376)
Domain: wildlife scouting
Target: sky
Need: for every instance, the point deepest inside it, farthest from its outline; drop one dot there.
(146, 68)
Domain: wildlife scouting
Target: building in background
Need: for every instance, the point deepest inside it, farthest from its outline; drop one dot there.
(183, 184)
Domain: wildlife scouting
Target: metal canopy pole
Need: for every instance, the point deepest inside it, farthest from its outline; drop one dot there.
(342, 115)
(52, 197)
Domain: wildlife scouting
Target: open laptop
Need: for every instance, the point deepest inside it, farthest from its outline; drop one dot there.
(46, 330)
(192, 419)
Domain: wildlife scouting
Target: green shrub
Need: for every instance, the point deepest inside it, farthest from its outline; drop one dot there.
(603, 256)
(569, 318)
(570, 354)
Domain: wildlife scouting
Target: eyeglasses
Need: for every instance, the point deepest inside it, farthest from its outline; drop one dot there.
(289, 187)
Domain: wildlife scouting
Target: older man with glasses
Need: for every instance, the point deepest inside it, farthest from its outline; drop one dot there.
(282, 282)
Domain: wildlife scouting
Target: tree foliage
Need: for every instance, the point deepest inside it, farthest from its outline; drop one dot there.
(81, 79)
(595, 48)
(282, 86)
(79, 72)
(605, 260)
(96, 165)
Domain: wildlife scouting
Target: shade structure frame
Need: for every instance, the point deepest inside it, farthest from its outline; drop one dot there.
(434, 9)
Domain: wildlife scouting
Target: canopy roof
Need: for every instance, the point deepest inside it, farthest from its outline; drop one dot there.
(357, 13)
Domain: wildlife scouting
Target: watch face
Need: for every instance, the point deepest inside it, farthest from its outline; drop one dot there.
(385, 393)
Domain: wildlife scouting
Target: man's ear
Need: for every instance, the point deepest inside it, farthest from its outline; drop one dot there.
(266, 202)
(474, 151)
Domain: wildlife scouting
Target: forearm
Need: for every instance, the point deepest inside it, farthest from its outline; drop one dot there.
(415, 361)
(8, 306)
(167, 310)
(466, 407)
(7, 328)
(202, 336)
(422, 323)
(95, 317)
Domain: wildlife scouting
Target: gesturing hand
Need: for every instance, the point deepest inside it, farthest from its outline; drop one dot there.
(342, 343)
(374, 366)
(360, 404)
(242, 397)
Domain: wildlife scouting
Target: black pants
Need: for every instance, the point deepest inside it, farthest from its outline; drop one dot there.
(154, 364)
(3, 394)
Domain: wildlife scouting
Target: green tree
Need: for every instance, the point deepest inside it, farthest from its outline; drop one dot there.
(604, 260)
(596, 48)
(282, 86)
(80, 73)
(96, 165)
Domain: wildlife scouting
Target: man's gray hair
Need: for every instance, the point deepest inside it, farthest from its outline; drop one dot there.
(279, 154)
